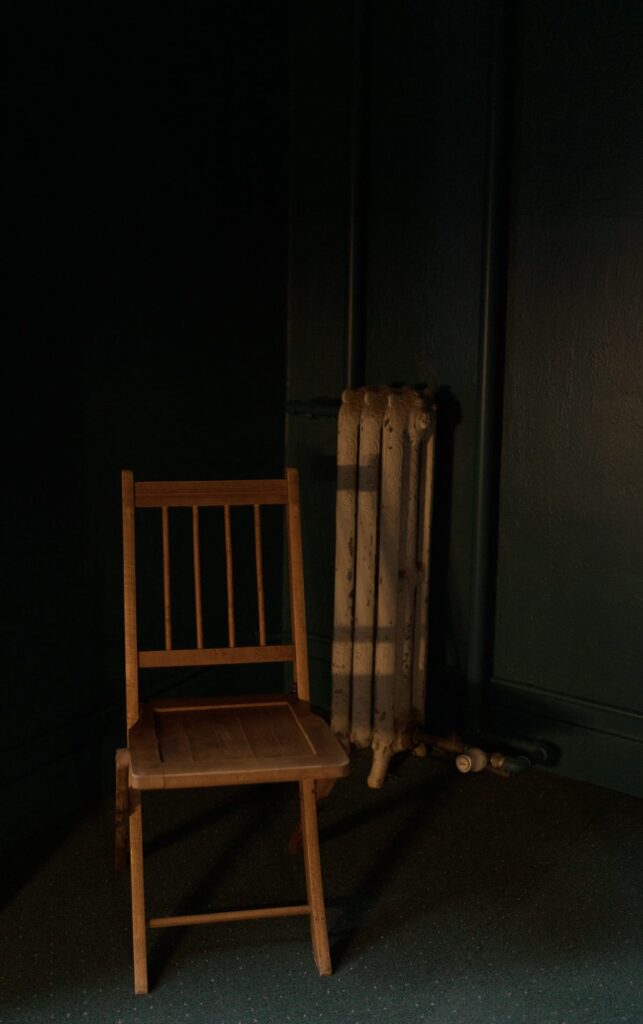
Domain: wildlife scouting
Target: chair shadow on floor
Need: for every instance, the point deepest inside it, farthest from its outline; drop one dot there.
(241, 817)
(385, 855)
(239, 814)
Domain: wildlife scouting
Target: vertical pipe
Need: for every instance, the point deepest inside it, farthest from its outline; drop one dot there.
(355, 349)
(490, 360)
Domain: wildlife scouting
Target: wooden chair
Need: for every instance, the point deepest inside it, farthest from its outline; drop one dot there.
(220, 741)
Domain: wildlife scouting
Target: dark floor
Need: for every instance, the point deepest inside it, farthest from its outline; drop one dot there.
(451, 899)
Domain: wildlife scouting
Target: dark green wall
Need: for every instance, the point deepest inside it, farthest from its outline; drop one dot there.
(565, 627)
(569, 636)
(147, 206)
(423, 242)
(421, 144)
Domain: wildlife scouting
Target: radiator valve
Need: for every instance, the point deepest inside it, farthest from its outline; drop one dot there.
(472, 759)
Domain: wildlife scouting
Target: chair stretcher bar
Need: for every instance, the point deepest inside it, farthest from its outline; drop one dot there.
(299, 910)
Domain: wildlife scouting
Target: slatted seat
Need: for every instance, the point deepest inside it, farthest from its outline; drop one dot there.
(230, 741)
(220, 740)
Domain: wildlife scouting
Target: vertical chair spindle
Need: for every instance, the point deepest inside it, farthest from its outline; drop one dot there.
(229, 574)
(259, 564)
(197, 576)
(166, 579)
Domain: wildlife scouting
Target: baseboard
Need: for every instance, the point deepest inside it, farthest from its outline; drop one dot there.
(595, 742)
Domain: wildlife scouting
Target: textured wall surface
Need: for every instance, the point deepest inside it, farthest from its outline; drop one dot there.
(421, 142)
(570, 573)
(567, 639)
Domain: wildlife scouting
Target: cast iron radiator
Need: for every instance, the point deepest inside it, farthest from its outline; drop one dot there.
(385, 460)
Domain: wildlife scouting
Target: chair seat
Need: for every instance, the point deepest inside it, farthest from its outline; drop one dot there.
(228, 741)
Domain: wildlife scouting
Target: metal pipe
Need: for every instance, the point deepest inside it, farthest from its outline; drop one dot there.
(511, 765)
(490, 363)
(519, 760)
(355, 350)
(474, 759)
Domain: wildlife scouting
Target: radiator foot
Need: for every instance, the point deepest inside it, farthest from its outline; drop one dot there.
(379, 767)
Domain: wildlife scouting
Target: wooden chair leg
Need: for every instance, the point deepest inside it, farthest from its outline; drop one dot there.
(121, 816)
(318, 929)
(138, 895)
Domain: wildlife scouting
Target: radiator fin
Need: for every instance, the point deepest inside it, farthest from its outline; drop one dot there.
(385, 459)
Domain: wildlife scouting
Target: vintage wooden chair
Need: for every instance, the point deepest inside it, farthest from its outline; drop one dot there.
(220, 740)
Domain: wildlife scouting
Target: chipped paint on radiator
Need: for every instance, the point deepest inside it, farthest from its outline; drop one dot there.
(385, 455)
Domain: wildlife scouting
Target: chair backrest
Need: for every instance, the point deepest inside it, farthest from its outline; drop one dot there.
(227, 495)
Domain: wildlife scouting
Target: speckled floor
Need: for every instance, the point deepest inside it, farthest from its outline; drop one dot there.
(451, 899)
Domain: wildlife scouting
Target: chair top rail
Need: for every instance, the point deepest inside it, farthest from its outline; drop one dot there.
(157, 494)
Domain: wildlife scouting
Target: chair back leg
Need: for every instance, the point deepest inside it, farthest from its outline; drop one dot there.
(121, 815)
(138, 895)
